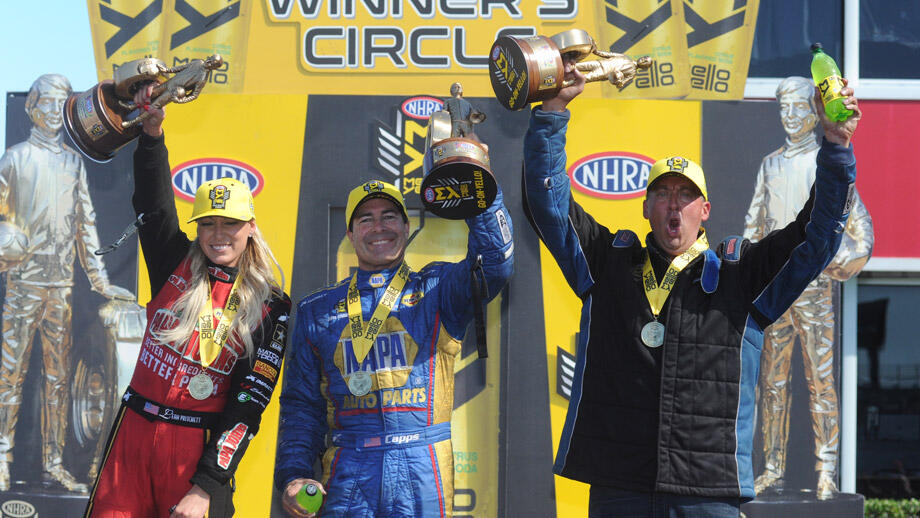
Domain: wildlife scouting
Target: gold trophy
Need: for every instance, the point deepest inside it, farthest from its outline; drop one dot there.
(458, 181)
(526, 70)
(104, 118)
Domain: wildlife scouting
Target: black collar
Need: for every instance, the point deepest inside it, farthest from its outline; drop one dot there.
(222, 273)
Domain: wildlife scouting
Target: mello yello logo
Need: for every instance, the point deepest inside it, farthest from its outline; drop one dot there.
(188, 176)
(611, 174)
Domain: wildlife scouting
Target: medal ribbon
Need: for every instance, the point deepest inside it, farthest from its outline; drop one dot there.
(363, 336)
(658, 294)
(211, 341)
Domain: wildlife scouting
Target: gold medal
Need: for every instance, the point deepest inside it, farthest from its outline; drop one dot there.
(652, 334)
(200, 386)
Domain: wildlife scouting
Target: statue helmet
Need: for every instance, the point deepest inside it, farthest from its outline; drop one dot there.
(14, 245)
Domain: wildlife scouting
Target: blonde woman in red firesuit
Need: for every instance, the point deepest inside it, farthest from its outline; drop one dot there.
(211, 353)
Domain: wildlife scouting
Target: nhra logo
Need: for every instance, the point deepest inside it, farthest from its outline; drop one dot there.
(188, 176)
(18, 509)
(421, 107)
(399, 149)
(611, 174)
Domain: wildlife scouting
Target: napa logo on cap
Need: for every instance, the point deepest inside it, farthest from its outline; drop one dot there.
(188, 176)
(421, 107)
(611, 174)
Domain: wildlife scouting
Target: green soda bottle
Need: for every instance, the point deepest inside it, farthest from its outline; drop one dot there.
(827, 76)
(310, 498)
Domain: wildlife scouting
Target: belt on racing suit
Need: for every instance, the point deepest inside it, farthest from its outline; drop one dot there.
(401, 439)
(150, 410)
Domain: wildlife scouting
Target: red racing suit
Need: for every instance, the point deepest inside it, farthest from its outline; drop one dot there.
(164, 440)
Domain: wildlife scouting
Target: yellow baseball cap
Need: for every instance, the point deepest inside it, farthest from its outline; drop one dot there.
(373, 189)
(225, 197)
(680, 166)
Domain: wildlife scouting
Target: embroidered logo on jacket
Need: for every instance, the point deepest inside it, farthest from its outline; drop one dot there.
(179, 282)
(228, 444)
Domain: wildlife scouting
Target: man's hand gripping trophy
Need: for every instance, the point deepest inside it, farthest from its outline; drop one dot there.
(533, 69)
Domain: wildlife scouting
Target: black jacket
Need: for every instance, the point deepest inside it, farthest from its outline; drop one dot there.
(679, 418)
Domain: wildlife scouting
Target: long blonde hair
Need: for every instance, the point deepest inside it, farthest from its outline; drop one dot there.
(257, 284)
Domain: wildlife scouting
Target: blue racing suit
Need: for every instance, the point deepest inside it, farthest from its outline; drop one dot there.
(390, 451)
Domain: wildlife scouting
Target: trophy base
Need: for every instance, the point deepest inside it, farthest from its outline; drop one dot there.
(93, 121)
(804, 504)
(525, 70)
(458, 183)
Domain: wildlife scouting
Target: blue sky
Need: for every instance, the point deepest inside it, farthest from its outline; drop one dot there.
(40, 38)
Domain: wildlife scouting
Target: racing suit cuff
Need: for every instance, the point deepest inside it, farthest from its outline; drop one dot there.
(556, 120)
(210, 485)
(291, 478)
(832, 154)
(148, 142)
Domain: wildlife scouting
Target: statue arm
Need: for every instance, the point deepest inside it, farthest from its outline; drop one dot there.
(754, 221)
(605, 54)
(592, 70)
(7, 171)
(856, 245)
(174, 70)
(86, 236)
(188, 97)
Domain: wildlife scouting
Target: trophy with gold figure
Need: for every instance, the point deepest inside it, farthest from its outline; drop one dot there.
(104, 118)
(458, 183)
(527, 70)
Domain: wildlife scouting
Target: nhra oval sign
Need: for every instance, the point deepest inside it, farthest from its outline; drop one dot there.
(611, 174)
(421, 107)
(188, 176)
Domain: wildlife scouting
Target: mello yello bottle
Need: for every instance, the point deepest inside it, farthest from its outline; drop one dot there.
(310, 498)
(827, 76)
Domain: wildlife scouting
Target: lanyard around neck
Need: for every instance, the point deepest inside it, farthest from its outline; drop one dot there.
(656, 293)
(363, 336)
(211, 341)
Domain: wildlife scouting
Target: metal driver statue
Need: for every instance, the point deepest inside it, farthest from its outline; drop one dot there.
(462, 114)
(184, 87)
(619, 69)
(783, 185)
(44, 192)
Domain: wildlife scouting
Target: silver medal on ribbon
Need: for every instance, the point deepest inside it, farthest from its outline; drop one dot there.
(653, 334)
(200, 386)
(359, 383)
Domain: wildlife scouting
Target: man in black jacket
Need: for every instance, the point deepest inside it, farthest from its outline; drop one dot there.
(661, 414)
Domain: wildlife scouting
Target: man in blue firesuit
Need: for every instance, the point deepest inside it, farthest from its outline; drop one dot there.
(372, 365)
